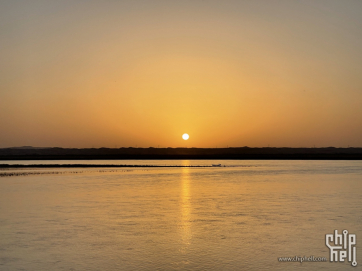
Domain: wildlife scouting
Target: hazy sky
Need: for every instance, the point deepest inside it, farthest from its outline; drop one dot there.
(142, 73)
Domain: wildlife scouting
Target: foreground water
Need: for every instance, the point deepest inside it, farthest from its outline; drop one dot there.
(243, 216)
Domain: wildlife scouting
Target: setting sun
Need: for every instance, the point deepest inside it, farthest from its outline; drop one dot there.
(185, 136)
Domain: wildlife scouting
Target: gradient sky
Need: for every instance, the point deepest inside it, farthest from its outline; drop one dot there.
(142, 73)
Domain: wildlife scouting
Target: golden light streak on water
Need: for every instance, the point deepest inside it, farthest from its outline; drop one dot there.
(186, 233)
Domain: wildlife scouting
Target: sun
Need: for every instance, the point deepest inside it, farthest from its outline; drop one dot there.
(185, 136)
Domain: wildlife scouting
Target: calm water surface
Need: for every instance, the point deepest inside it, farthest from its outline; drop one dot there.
(239, 217)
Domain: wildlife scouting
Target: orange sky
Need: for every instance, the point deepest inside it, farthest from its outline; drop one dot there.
(142, 73)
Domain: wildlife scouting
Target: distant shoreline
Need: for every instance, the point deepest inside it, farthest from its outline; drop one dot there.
(241, 153)
(2, 166)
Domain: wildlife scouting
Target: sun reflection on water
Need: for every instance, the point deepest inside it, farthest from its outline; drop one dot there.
(185, 223)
